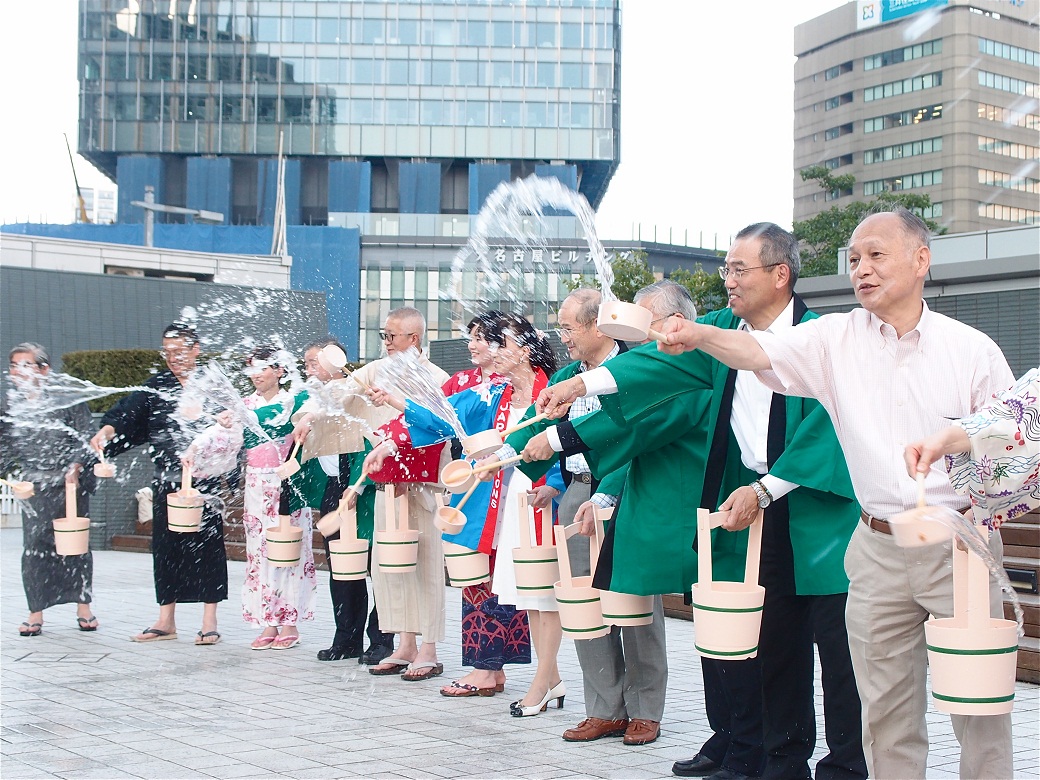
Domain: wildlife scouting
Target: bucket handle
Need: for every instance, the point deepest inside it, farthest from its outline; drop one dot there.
(971, 586)
(563, 533)
(396, 520)
(70, 500)
(347, 522)
(705, 522)
(524, 514)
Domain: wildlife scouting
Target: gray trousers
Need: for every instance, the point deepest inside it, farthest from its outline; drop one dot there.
(892, 591)
(625, 673)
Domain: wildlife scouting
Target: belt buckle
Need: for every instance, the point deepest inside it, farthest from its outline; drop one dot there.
(584, 477)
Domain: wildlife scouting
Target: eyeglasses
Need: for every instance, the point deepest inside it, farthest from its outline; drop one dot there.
(388, 337)
(174, 354)
(725, 271)
(24, 364)
(659, 319)
(569, 332)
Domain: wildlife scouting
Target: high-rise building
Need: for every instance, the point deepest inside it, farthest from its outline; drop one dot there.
(938, 97)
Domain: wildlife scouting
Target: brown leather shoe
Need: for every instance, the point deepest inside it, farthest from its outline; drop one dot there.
(642, 732)
(594, 728)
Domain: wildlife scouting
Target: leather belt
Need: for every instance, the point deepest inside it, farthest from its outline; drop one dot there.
(875, 523)
(583, 476)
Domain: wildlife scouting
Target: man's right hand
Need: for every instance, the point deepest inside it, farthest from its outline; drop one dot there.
(586, 517)
(102, 437)
(555, 400)
(374, 459)
(680, 336)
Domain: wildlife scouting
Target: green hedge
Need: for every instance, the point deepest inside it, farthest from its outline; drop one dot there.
(112, 368)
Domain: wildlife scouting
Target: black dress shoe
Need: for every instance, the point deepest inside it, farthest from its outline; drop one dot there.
(727, 774)
(698, 766)
(375, 654)
(337, 654)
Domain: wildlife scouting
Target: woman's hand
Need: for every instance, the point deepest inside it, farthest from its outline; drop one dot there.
(302, 429)
(380, 397)
(920, 455)
(374, 459)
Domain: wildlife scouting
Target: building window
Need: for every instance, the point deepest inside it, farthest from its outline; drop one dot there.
(1008, 84)
(898, 151)
(893, 56)
(1009, 181)
(837, 100)
(908, 181)
(838, 162)
(902, 118)
(1008, 117)
(1009, 213)
(901, 87)
(837, 70)
(835, 194)
(1006, 52)
(834, 132)
(1008, 149)
(933, 211)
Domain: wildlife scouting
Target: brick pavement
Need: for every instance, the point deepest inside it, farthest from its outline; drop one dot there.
(82, 705)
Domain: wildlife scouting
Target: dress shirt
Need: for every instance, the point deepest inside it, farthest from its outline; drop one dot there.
(883, 392)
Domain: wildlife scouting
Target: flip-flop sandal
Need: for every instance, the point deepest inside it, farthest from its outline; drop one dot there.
(35, 629)
(458, 690)
(263, 642)
(201, 639)
(422, 671)
(154, 635)
(285, 642)
(87, 624)
(399, 665)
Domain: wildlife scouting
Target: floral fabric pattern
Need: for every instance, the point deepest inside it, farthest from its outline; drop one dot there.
(1001, 473)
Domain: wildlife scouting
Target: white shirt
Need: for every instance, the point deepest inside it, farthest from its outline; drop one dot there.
(883, 392)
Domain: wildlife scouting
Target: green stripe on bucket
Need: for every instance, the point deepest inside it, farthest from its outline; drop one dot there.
(576, 601)
(381, 542)
(350, 573)
(536, 560)
(727, 609)
(628, 616)
(535, 587)
(462, 555)
(968, 700)
(72, 531)
(583, 630)
(707, 651)
(983, 651)
(468, 579)
(282, 560)
(396, 565)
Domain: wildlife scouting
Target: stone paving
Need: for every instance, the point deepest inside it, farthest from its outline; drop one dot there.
(83, 705)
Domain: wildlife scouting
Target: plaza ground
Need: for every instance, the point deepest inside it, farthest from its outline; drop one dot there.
(95, 705)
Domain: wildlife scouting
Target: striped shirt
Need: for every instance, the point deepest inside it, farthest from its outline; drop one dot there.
(883, 392)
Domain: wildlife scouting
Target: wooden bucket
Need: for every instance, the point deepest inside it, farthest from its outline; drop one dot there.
(23, 490)
(465, 566)
(284, 543)
(972, 657)
(104, 470)
(622, 609)
(580, 614)
(71, 533)
(727, 615)
(184, 507)
(397, 548)
(348, 555)
(536, 566)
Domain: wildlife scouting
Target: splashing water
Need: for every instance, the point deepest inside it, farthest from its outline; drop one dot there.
(404, 375)
(210, 384)
(515, 211)
(965, 530)
(57, 391)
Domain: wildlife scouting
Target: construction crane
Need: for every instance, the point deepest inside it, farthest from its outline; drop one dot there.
(79, 195)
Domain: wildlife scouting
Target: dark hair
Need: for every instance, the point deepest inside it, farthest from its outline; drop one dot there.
(524, 334)
(778, 247)
(181, 330)
(485, 322)
(266, 353)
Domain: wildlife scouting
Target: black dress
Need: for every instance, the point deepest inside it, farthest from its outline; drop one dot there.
(188, 567)
(41, 451)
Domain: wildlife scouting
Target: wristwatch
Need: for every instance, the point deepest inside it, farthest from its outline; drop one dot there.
(765, 498)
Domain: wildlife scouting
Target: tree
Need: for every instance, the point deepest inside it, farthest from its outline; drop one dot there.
(707, 289)
(631, 274)
(823, 235)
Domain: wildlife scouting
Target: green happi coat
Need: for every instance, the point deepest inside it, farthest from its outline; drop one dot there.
(366, 502)
(823, 510)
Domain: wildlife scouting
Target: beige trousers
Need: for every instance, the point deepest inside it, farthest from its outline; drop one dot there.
(892, 591)
(412, 602)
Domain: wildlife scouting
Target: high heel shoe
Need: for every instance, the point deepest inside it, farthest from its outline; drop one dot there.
(556, 693)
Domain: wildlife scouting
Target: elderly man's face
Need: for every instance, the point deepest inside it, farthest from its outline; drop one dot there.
(25, 371)
(313, 367)
(581, 340)
(886, 264)
(399, 334)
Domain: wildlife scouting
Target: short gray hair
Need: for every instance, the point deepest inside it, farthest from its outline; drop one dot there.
(668, 298)
(778, 247)
(410, 314)
(914, 227)
(588, 300)
(40, 356)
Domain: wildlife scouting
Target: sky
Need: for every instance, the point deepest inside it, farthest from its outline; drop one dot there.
(707, 114)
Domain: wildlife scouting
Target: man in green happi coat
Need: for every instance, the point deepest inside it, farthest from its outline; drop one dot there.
(780, 455)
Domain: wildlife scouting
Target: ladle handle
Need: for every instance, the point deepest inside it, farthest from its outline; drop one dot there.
(521, 425)
(186, 478)
(466, 496)
(353, 375)
(70, 500)
(655, 335)
(354, 488)
(920, 488)
(292, 452)
(498, 464)
(524, 514)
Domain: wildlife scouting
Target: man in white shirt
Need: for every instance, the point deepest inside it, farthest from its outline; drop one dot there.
(888, 374)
